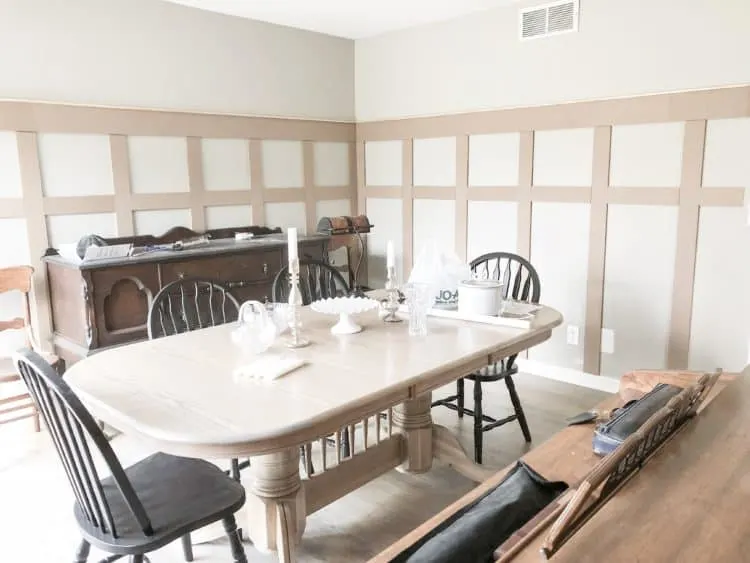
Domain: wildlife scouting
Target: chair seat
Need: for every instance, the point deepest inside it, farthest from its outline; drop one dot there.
(493, 372)
(179, 494)
(8, 370)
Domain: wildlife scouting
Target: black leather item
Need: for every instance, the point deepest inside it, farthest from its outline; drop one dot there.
(630, 418)
(472, 534)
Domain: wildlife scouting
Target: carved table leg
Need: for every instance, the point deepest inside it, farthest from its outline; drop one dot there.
(413, 419)
(276, 503)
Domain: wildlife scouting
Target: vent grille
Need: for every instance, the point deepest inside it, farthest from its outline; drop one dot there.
(549, 19)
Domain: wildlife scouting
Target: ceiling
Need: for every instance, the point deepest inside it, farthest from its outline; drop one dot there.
(353, 19)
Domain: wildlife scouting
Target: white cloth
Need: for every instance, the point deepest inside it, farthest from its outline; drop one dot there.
(268, 367)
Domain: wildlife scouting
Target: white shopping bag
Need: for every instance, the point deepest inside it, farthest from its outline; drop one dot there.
(442, 270)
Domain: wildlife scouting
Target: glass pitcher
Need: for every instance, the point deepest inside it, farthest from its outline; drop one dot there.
(256, 330)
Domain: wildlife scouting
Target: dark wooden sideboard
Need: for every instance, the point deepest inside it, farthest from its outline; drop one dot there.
(103, 303)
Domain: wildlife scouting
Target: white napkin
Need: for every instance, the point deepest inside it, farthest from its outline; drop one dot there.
(268, 367)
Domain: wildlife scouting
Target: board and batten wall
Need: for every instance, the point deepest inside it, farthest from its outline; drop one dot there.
(67, 171)
(632, 210)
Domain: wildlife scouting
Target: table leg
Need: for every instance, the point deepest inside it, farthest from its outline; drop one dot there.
(276, 503)
(413, 419)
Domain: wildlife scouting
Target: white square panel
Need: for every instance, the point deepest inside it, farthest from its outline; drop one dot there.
(649, 155)
(287, 215)
(75, 165)
(224, 216)
(226, 164)
(10, 170)
(15, 248)
(158, 221)
(333, 208)
(68, 229)
(563, 157)
(331, 164)
(493, 159)
(158, 165)
(563, 275)
(384, 163)
(387, 216)
(434, 220)
(492, 227)
(726, 162)
(435, 162)
(282, 164)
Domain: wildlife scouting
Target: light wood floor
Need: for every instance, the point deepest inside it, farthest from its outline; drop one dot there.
(36, 505)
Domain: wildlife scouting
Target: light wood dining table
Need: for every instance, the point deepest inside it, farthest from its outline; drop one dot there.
(179, 394)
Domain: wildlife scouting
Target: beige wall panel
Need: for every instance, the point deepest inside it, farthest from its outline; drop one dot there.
(648, 155)
(67, 229)
(638, 279)
(282, 164)
(75, 165)
(387, 216)
(158, 165)
(286, 215)
(563, 158)
(12, 231)
(221, 216)
(559, 252)
(720, 325)
(226, 164)
(158, 221)
(492, 226)
(727, 156)
(333, 208)
(493, 159)
(331, 164)
(434, 220)
(10, 171)
(435, 162)
(383, 163)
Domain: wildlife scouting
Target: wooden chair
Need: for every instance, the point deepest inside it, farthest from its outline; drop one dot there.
(19, 278)
(137, 509)
(317, 280)
(521, 283)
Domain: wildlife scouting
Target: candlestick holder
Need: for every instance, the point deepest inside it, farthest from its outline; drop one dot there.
(393, 296)
(296, 340)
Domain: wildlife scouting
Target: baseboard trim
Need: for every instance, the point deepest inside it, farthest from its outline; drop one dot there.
(567, 375)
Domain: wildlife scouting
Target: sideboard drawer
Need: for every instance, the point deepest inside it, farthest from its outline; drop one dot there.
(260, 267)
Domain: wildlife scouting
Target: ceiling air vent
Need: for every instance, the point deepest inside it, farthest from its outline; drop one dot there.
(548, 19)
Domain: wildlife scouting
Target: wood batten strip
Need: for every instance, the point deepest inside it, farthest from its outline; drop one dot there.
(682, 106)
(308, 175)
(362, 193)
(561, 194)
(492, 193)
(228, 197)
(11, 207)
(523, 193)
(597, 250)
(407, 198)
(644, 196)
(257, 195)
(118, 150)
(334, 192)
(62, 118)
(462, 196)
(143, 202)
(36, 230)
(195, 179)
(429, 192)
(723, 197)
(383, 192)
(284, 195)
(69, 205)
(687, 243)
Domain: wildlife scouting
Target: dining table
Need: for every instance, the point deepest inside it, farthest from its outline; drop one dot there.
(373, 390)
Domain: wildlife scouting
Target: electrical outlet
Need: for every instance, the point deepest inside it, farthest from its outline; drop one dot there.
(572, 335)
(608, 341)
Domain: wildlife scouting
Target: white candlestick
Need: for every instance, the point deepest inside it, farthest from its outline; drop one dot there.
(292, 237)
(390, 255)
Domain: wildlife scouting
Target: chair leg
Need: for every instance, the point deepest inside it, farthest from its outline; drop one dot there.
(345, 447)
(518, 408)
(238, 550)
(136, 559)
(460, 397)
(187, 547)
(478, 421)
(82, 553)
(236, 469)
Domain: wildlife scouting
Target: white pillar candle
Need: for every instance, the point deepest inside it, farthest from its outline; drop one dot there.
(292, 238)
(390, 255)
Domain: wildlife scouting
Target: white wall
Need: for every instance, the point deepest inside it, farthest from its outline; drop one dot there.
(623, 48)
(152, 54)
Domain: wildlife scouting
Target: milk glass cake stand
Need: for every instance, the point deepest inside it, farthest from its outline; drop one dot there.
(344, 307)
